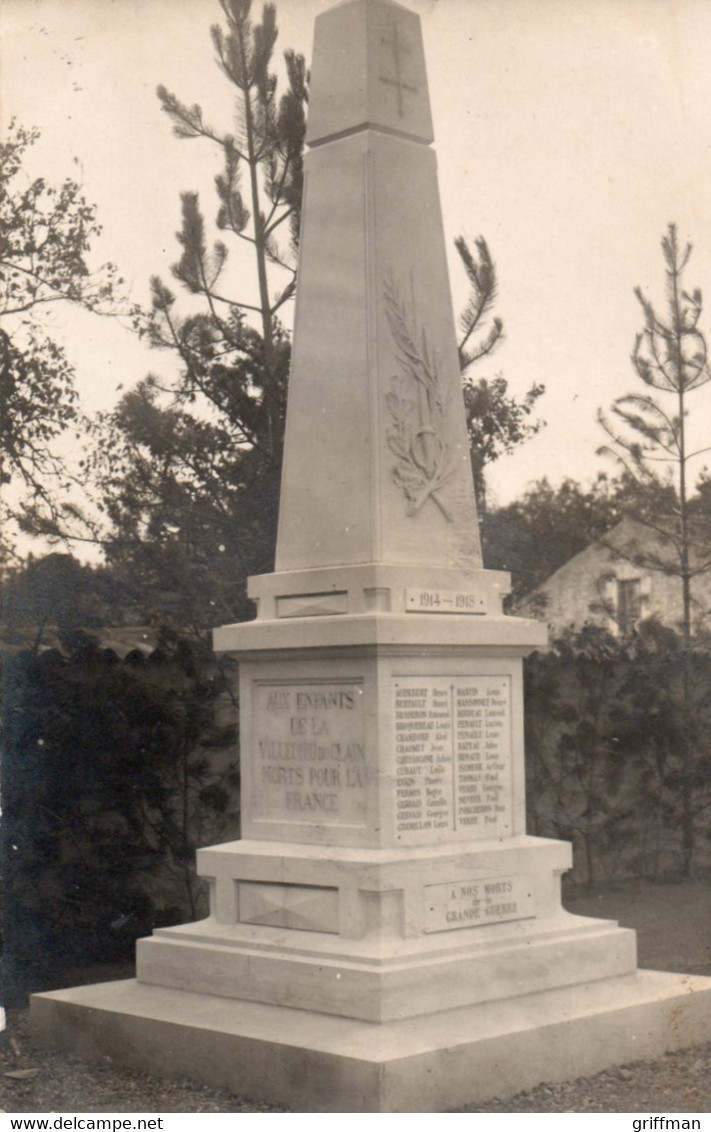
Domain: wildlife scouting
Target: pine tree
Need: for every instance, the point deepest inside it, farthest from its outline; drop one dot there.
(670, 354)
(497, 422)
(267, 149)
(189, 475)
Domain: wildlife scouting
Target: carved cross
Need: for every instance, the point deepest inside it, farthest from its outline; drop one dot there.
(399, 50)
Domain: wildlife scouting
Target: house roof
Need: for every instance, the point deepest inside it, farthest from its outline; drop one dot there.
(122, 640)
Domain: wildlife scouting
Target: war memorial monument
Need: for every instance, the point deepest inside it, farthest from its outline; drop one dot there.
(385, 937)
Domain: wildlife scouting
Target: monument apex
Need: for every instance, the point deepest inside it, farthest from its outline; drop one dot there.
(368, 72)
(376, 460)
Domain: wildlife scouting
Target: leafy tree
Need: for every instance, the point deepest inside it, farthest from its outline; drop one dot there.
(497, 423)
(670, 355)
(191, 513)
(48, 596)
(46, 233)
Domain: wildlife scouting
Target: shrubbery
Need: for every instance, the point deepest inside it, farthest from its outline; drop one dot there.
(109, 783)
(612, 731)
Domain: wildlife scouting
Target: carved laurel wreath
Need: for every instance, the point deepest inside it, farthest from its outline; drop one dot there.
(418, 405)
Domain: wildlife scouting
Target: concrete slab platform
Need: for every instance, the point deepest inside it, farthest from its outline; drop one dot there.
(321, 1063)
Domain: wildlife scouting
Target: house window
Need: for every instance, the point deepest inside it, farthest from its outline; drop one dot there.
(629, 603)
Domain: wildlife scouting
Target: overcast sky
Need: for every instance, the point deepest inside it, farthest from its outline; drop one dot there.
(569, 133)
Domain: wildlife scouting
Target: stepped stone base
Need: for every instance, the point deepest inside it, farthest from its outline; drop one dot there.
(207, 959)
(435, 1063)
(367, 934)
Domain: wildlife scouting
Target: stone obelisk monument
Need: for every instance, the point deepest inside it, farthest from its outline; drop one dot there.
(385, 937)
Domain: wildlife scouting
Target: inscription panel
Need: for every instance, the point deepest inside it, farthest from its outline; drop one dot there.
(445, 601)
(309, 752)
(452, 757)
(467, 904)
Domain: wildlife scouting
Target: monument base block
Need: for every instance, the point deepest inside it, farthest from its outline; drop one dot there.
(382, 935)
(322, 1063)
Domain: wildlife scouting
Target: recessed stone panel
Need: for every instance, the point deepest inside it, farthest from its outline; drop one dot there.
(309, 908)
(312, 605)
(309, 752)
(452, 757)
(473, 903)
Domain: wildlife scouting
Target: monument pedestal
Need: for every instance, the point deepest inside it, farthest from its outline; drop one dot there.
(386, 938)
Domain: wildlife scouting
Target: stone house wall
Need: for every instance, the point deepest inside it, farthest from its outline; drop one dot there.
(588, 589)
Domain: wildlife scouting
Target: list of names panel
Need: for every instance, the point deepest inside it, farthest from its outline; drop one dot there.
(452, 757)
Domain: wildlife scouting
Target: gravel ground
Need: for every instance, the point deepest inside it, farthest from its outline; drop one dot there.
(674, 933)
